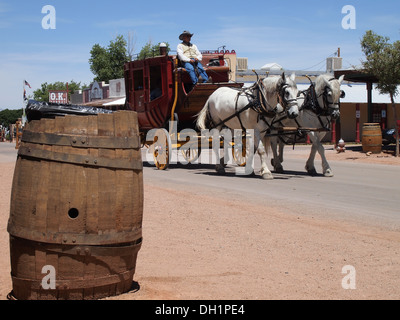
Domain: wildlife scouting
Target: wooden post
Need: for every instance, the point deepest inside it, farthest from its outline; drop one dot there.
(369, 89)
(333, 138)
(358, 123)
(18, 134)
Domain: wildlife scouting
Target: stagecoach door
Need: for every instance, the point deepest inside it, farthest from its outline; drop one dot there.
(138, 90)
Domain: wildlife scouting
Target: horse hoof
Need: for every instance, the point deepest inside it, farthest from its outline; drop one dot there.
(267, 176)
(312, 172)
(279, 170)
(328, 173)
(220, 170)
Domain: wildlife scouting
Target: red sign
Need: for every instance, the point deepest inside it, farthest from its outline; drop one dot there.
(57, 96)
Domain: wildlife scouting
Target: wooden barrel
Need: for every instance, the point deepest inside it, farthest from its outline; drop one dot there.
(372, 138)
(76, 209)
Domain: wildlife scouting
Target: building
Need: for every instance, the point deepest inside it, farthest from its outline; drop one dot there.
(100, 94)
(363, 102)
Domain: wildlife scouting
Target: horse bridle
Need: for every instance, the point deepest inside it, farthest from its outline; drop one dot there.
(311, 101)
(286, 103)
(329, 106)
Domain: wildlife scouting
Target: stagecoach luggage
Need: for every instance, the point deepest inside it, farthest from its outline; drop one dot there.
(76, 209)
(36, 110)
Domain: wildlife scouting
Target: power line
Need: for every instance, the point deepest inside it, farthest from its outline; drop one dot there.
(323, 61)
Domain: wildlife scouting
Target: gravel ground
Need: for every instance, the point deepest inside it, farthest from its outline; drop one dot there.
(213, 247)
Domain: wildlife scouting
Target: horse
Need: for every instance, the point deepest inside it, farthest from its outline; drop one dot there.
(251, 108)
(319, 104)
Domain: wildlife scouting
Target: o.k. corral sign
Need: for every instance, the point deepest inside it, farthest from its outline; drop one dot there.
(58, 96)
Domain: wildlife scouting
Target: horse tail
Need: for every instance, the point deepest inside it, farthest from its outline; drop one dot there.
(203, 117)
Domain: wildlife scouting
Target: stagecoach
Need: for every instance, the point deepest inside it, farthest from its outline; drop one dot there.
(161, 92)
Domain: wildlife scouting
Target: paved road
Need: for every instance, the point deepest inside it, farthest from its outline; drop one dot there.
(8, 153)
(358, 191)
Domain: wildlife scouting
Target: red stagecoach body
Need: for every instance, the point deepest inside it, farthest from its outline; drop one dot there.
(158, 89)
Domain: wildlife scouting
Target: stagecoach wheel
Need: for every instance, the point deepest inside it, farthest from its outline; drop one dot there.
(161, 149)
(240, 153)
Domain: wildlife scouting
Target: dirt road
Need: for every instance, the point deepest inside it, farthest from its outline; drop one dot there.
(201, 243)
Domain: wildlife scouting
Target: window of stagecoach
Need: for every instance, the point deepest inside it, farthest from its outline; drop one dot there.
(138, 80)
(155, 82)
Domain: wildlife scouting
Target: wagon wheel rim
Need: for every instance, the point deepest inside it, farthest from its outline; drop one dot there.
(161, 149)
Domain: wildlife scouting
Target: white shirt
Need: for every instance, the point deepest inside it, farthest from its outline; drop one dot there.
(185, 52)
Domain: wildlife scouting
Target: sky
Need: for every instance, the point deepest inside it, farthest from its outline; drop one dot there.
(298, 35)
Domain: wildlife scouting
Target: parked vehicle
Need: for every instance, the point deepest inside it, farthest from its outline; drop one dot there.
(389, 135)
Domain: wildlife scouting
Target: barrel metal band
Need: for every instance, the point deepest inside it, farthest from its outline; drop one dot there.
(86, 160)
(97, 251)
(81, 141)
(65, 238)
(66, 284)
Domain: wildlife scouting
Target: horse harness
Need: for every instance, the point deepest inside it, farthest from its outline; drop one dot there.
(311, 103)
(260, 104)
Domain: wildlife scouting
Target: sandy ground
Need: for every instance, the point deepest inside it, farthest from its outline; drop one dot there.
(214, 247)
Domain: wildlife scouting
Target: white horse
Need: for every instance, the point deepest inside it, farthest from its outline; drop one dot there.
(248, 109)
(318, 108)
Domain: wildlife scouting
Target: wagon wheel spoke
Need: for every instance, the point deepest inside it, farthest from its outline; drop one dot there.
(161, 150)
(240, 153)
(191, 154)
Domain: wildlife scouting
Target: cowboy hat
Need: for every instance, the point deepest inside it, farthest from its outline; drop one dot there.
(185, 33)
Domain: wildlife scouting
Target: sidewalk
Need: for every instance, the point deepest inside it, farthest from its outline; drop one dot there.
(353, 153)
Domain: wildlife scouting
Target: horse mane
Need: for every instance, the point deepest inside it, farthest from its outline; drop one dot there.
(273, 83)
(327, 80)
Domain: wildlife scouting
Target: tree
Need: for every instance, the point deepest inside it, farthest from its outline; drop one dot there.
(130, 46)
(150, 50)
(383, 61)
(108, 63)
(42, 94)
(8, 117)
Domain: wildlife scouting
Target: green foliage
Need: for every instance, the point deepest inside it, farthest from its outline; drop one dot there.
(150, 50)
(382, 61)
(8, 117)
(42, 94)
(108, 63)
